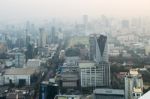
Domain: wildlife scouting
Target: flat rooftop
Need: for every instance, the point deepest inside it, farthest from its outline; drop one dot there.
(21, 71)
(109, 91)
(137, 90)
(134, 72)
(86, 64)
(68, 97)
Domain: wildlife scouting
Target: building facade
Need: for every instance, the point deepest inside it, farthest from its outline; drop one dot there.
(133, 84)
(19, 59)
(92, 75)
(99, 53)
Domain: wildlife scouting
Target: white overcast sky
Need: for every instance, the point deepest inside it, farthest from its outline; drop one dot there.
(19, 9)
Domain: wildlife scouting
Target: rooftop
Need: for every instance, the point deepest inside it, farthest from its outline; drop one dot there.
(86, 64)
(109, 91)
(137, 90)
(20, 71)
(134, 71)
(68, 97)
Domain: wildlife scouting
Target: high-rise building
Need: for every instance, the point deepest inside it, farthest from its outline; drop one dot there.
(43, 38)
(92, 41)
(99, 53)
(133, 85)
(101, 49)
(98, 48)
(92, 75)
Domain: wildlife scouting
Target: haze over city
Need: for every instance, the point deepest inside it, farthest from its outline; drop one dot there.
(74, 49)
(12, 10)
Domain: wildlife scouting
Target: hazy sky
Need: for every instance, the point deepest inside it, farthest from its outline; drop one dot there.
(20, 9)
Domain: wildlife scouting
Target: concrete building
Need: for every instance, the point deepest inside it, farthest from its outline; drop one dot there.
(68, 97)
(147, 50)
(108, 94)
(91, 75)
(33, 63)
(133, 84)
(19, 76)
(43, 38)
(19, 59)
(101, 49)
(92, 43)
(72, 61)
(69, 80)
(1, 79)
(3, 48)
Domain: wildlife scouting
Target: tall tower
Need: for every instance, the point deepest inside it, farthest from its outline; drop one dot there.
(92, 41)
(43, 37)
(101, 49)
(99, 53)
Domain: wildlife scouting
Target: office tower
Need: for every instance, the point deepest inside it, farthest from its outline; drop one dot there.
(98, 48)
(43, 37)
(19, 59)
(48, 90)
(94, 75)
(53, 35)
(98, 74)
(101, 49)
(27, 38)
(92, 41)
(133, 85)
(102, 59)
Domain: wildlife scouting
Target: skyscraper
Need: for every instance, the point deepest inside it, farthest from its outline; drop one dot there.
(101, 49)
(133, 85)
(43, 37)
(92, 42)
(99, 53)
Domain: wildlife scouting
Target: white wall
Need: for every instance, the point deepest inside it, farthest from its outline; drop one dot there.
(15, 79)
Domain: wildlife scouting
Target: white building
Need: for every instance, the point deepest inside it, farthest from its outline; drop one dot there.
(91, 75)
(33, 63)
(19, 76)
(133, 85)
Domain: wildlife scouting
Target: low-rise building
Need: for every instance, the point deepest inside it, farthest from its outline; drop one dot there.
(33, 63)
(19, 76)
(108, 94)
(69, 79)
(68, 97)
